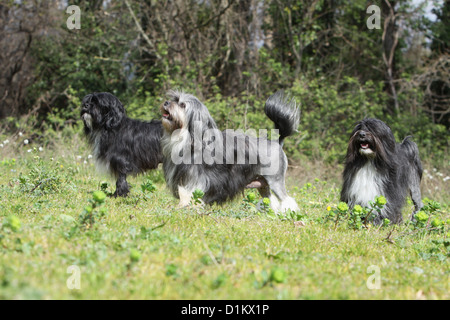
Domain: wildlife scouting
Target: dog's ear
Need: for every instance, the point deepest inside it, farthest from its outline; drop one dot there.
(352, 152)
(115, 111)
(199, 121)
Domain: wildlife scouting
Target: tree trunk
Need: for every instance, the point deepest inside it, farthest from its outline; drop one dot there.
(390, 41)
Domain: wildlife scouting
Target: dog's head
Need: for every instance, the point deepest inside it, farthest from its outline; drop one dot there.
(371, 138)
(185, 111)
(101, 111)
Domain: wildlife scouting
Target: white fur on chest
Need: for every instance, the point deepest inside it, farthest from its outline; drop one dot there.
(366, 185)
(179, 142)
(101, 165)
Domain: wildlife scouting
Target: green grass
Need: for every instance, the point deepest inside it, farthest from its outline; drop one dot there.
(145, 248)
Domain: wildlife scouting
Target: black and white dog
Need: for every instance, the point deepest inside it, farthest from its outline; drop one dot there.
(376, 165)
(198, 156)
(121, 146)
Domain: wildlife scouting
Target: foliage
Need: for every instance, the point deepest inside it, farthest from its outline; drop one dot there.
(55, 211)
(154, 250)
(197, 196)
(330, 112)
(426, 220)
(147, 187)
(358, 217)
(44, 177)
(93, 211)
(12, 223)
(321, 51)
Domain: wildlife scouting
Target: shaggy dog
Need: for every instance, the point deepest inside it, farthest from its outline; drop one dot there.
(198, 156)
(377, 165)
(121, 146)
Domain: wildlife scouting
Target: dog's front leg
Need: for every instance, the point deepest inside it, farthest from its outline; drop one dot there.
(185, 197)
(122, 188)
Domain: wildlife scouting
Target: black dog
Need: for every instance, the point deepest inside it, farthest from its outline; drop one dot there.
(121, 145)
(377, 165)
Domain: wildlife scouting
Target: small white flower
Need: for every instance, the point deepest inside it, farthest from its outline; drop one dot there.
(6, 141)
(26, 141)
(446, 178)
(41, 149)
(425, 170)
(20, 134)
(29, 150)
(52, 159)
(434, 169)
(90, 156)
(85, 162)
(79, 157)
(1, 145)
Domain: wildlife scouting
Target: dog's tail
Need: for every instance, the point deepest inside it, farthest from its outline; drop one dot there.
(411, 151)
(283, 111)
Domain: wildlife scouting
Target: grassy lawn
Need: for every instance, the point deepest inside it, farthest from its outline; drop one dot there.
(143, 247)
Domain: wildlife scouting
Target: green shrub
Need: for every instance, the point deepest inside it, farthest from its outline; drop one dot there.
(44, 177)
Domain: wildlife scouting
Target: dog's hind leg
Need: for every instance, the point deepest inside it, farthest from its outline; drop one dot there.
(264, 191)
(278, 187)
(411, 152)
(119, 166)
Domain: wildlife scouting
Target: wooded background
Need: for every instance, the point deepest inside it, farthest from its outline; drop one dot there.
(233, 54)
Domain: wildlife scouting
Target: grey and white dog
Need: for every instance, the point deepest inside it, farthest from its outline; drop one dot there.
(198, 156)
(376, 165)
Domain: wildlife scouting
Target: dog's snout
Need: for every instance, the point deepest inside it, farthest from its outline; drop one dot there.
(84, 109)
(166, 104)
(362, 134)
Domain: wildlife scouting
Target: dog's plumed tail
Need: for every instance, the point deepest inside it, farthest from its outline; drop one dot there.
(283, 111)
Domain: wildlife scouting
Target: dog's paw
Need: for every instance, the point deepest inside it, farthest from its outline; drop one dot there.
(182, 205)
(194, 204)
(120, 194)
